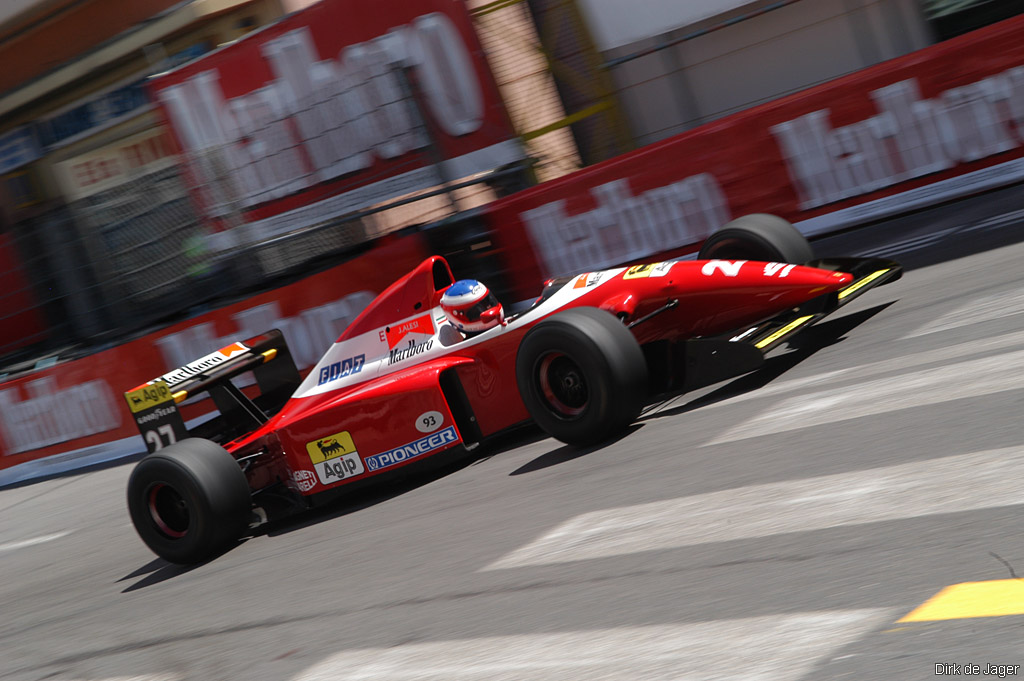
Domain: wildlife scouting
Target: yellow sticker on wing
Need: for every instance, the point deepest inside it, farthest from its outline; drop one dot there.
(148, 396)
(639, 271)
(330, 447)
(863, 282)
(782, 332)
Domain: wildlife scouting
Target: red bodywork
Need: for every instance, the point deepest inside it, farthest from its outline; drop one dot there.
(395, 388)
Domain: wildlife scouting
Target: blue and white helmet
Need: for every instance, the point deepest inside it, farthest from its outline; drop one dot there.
(471, 307)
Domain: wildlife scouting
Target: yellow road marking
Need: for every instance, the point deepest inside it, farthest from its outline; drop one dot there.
(996, 598)
(782, 332)
(862, 283)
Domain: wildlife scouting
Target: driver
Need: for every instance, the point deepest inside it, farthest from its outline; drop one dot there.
(471, 308)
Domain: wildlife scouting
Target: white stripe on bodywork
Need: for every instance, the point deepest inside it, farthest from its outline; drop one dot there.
(377, 365)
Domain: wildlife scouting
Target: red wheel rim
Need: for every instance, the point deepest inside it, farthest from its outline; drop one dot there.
(562, 385)
(169, 510)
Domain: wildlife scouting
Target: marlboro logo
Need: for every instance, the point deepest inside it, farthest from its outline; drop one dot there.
(214, 359)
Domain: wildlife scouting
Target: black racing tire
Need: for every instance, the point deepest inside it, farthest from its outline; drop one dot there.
(190, 501)
(758, 237)
(582, 376)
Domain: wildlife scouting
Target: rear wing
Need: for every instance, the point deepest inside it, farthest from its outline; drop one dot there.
(154, 404)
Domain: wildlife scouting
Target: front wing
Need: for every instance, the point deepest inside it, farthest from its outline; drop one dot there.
(708, 360)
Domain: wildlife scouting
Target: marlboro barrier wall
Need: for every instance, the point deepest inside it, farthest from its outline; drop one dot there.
(933, 126)
(312, 118)
(76, 408)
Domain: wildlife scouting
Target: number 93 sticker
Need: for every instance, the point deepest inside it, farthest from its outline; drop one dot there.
(429, 421)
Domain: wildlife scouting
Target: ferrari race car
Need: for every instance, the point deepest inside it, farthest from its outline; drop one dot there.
(402, 383)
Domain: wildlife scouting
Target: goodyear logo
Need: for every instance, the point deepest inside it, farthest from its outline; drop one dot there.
(148, 396)
(412, 450)
(330, 447)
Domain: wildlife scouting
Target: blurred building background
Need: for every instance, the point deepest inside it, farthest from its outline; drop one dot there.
(94, 217)
(100, 236)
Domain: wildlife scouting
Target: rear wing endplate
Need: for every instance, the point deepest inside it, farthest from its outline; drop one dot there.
(154, 404)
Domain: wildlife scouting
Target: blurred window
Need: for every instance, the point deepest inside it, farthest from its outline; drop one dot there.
(950, 18)
(20, 188)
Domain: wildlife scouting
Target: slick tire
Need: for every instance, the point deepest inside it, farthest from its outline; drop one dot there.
(190, 501)
(582, 376)
(758, 237)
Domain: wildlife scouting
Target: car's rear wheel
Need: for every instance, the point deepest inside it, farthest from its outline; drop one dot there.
(758, 237)
(582, 375)
(189, 501)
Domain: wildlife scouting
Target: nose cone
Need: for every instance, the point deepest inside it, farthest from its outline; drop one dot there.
(799, 283)
(816, 280)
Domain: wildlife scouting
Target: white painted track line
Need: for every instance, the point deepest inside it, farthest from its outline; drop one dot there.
(148, 677)
(769, 648)
(893, 365)
(946, 485)
(982, 309)
(971, 378)
(14, 545)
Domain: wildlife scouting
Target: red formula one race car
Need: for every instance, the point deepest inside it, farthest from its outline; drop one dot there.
(433, 365)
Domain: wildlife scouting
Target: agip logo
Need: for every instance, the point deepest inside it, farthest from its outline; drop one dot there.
(330, 447)
(335, 458)
(147, 396)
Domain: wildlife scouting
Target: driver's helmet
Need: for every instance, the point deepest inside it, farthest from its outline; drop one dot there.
(470, 307)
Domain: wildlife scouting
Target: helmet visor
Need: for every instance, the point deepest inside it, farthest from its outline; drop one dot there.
(473, 312)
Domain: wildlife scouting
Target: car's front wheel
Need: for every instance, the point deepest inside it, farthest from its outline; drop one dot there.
(582, 375)
(758, 236)
(189, 501)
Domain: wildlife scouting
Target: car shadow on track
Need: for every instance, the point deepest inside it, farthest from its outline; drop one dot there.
(159, 570)
(379, 491)
(802, 347)
(353, 500)
(566, 453)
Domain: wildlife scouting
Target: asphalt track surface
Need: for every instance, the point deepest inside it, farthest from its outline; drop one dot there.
(778, 526)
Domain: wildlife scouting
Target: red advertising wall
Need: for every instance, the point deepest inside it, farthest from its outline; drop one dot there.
(932, 126)
(78, 405)
(20, 321)
(312, 117)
